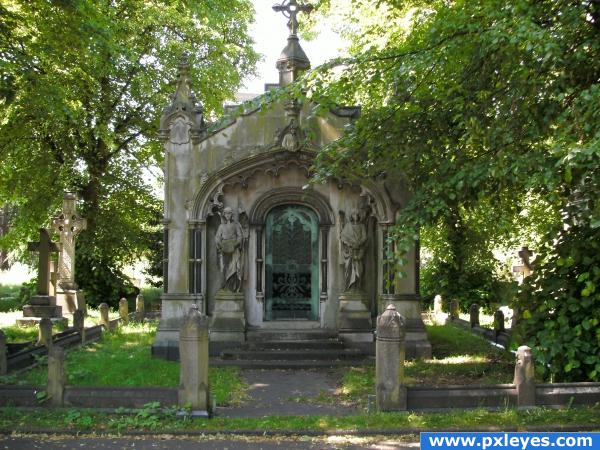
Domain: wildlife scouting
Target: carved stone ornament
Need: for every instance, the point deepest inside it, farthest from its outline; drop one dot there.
(353, 240)
(180, 131)
(390, 325)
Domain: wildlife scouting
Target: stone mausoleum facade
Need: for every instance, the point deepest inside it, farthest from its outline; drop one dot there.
(258, 247)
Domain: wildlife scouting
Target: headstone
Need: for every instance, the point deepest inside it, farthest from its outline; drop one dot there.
(79, 323)
(140, 308)
(390, 352)
(525, 377)
(56, 376)
(53, 279)
(499, 321)
(45, 333)
(68, 224)
(193, 352)
(124, 311)
(474, 315)
(42, 304)
(439, 316)
(3, 354)
(104, 321)
(454, 309)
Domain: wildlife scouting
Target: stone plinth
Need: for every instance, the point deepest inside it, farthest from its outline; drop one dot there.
(56, 376)
(354, 319)
(124, 311)
(193, 348)
(41, 307)
(140, 308)
(67, 298)
(228, 322)
(524, 379)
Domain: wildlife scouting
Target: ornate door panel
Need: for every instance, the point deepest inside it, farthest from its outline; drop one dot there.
(291, 264)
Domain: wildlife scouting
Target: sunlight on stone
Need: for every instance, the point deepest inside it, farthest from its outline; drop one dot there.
(258, 385)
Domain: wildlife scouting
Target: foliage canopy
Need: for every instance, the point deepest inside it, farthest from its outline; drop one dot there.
(82, 84)
(489, 110)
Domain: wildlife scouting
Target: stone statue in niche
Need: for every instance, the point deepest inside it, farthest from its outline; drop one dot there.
(180, 131)
(229, 240)
(353, 239)
(291, 140)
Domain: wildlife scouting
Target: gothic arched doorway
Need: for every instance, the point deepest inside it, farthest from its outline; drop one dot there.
(292, 264)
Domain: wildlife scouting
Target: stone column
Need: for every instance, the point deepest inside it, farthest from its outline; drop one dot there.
(104, 316)
(45, 333)
(390, 352)
(498, 321)
(124, 311)
(474, 315)
(79, 323)
(3, 354)
(525, 377)
(193, 353)
(140, 308)
(56, 376)
(454, 309)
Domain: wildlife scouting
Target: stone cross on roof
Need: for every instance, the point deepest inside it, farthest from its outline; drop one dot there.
(45, 247)
(290, 9)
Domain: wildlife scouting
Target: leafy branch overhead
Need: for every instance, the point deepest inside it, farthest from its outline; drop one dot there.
(489, 111)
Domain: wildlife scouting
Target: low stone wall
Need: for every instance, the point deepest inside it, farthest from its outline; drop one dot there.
(449, 397)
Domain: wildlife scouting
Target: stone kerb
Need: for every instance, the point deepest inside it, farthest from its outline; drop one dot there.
(474, 315)
(56, 376)
(524, 379)
(124, 311)
(45, 333)
(193, 354)
(104, 321)
(140, 308)
(391, 392)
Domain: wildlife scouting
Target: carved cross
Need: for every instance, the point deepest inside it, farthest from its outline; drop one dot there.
(290, 9)
(68, 224)
(525, 254)
(45, 247)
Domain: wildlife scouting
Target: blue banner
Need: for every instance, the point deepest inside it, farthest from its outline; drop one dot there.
(509, 441)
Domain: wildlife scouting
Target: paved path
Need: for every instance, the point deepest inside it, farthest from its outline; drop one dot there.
(288, 393)
(172, 443)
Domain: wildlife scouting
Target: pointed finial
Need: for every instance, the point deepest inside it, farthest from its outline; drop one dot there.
(290, 9)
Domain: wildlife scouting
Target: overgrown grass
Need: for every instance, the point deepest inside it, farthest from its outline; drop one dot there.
(122, 358)
(9, 298)
(86, 420)
(16, 334)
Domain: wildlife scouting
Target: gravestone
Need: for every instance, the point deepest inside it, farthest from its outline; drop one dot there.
(79, 323)
(474, 315)
(454, 309)
(524, 379)
(499, 321)
(68, 225)
(104, 320)
(57, 379)
(45, 333)
(42, 305)
(140, 308)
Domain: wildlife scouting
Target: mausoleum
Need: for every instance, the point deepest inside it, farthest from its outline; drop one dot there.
(255, 244)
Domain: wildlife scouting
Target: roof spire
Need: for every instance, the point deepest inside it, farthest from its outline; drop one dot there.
(292, 61)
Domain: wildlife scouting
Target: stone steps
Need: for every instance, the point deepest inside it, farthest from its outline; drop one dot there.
(292, 355)
(328, 344)
(290, 364)
(289, 335)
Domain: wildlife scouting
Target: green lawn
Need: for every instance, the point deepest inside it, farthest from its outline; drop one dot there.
(122, 358)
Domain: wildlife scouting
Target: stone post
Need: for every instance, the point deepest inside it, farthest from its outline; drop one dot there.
(45, 333)
(124, 311)
(389, 365)
(454, 309)
(3, 354)
(474, 315)
(498, 321)
(193, 353)
(104, 316)
(56, 376)
(140, 308)
(438, 304)
(79, 323)
(525, 377)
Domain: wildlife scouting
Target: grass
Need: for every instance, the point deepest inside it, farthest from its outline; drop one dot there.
(122, 358)
(459, 358)
(86, 420)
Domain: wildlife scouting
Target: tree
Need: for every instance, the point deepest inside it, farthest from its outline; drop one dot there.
(474, 103)
(81, 90)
